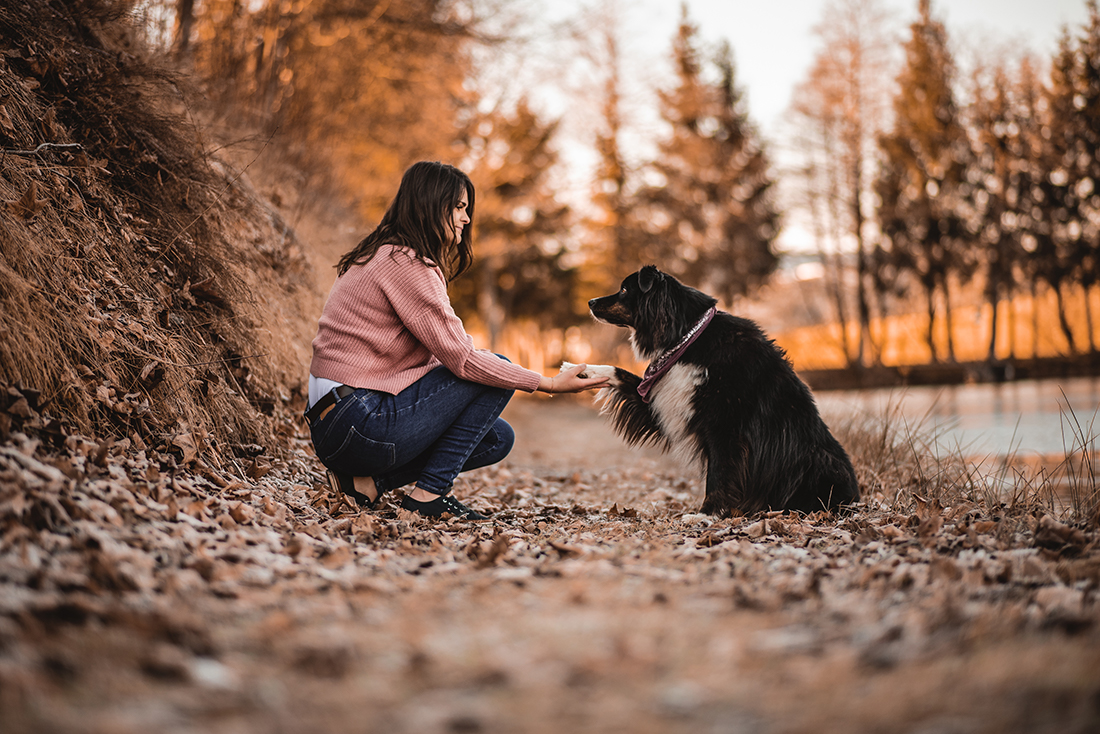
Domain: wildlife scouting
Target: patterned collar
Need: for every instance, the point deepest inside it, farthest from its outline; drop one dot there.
(662, 364)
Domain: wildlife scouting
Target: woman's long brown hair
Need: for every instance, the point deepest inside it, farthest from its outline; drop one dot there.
(420, 217)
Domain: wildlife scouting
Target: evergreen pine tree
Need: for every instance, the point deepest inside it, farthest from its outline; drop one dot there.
(708, 215)
(519, 271)
(744, 256)
(1087, 183)
(614, 257)
(1057, 226)
(922, 188)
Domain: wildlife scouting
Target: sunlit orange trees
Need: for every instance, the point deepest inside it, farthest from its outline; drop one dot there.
(361, 89)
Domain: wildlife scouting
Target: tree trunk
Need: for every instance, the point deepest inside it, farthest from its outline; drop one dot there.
(1034, 319)
(950, 323)
(876, 340)
(1088, 318)
(861, 260)
(488, 303)
(832, 199)
(930, 302)
(185, 20)
(864, 311)
(1012, 322)
(991, 297)
(836, 287)
(1063, 321)
(881, 307)
(834, 274)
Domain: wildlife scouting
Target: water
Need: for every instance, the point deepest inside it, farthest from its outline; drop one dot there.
(1025, 417)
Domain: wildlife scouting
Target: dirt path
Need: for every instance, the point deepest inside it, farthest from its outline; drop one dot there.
(594, 601)
(566, 433)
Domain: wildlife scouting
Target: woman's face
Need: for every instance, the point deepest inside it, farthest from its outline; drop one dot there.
(459, 218)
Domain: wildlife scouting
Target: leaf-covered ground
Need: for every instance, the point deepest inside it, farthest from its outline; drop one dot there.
(139, 597)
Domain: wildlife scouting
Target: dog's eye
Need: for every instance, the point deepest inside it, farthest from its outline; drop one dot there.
(622, 291)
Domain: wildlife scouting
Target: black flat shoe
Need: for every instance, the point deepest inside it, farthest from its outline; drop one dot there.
(346, 483)
(440, 506)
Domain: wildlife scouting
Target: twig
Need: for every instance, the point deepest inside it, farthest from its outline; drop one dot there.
(224, 360)
(39, 149)
(218, 197)
(216, 361)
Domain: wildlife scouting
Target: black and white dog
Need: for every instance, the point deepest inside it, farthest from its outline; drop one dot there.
(723, 396)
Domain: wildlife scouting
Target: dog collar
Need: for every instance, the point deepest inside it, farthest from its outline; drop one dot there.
(658, 367)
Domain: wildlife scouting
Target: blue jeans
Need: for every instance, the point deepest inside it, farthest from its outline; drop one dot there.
(429, 432)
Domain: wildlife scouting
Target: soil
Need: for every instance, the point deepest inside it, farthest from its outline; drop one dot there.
(565, 433)
(135, 598)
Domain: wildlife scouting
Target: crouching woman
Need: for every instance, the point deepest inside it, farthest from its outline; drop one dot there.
(397, 392)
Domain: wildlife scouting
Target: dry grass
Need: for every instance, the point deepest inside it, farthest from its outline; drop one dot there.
(137, 274)
(1078, 474)
(904, 464)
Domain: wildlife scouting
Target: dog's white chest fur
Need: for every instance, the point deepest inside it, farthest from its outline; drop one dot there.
(672, 402)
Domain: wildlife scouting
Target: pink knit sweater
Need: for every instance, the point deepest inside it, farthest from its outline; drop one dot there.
(389, 322)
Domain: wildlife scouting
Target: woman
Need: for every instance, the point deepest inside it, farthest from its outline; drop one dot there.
(397, 392)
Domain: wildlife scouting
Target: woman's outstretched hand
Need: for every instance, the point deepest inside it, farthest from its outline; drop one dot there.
(569, 380)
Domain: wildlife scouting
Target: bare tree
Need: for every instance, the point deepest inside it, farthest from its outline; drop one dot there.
(842, 107)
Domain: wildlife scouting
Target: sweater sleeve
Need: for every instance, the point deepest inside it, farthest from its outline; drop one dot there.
(418, 295)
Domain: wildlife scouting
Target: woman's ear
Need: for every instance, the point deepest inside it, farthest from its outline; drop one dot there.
(647, 276)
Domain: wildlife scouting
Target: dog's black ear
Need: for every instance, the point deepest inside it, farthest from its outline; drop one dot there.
(647, 276)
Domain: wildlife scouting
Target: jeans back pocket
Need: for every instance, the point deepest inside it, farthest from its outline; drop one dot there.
(360, 456)
(341, 445)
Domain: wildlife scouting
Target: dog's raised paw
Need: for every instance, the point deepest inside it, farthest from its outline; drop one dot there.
(595, 370)
(601, 370)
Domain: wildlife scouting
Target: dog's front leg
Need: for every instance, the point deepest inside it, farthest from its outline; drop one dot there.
(632, 417)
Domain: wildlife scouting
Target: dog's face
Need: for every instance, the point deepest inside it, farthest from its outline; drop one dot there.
(621, 309)
(659, 308)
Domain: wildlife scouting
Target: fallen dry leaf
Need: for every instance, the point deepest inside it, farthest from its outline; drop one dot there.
(28, 205)
(5, 120)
